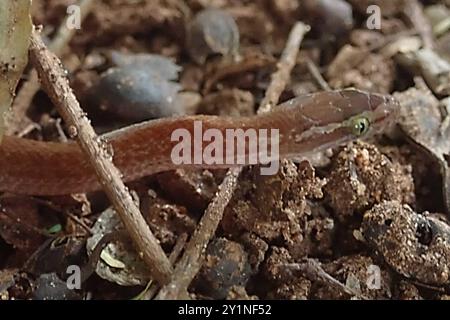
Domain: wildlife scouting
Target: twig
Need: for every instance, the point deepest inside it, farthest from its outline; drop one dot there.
(312, 270)
(388, 39)
(183, 7)
(314, 71)
(281, 77)
(17, 119)
(190, 262)
(226, 69)
(57, 87)
(27, 129)
(174, 255)
(414, 12)
(64, 34)
(80, 222)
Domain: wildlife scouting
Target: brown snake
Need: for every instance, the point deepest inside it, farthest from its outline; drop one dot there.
(306, 124)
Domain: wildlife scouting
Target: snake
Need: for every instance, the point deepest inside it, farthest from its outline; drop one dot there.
(305, 124)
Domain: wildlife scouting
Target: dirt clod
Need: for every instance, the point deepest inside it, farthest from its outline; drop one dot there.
(415, 245)
(361, 176)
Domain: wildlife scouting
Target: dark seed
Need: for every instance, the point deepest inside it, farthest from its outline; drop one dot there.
(212, 31)
(138, 89)
(333, 18)
(226, 265)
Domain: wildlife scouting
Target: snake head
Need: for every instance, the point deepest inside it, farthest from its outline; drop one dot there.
(328, 119)
(373, 113)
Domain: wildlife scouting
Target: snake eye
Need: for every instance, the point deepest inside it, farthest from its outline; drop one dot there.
(359, 126)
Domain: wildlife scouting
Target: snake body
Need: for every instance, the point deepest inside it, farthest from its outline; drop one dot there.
(305, 124)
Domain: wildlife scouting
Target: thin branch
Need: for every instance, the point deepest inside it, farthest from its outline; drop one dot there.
(17, 119)
(190, 263)
(65, 34)
(281, 77)
(312, 270)
(226, 69)
(414, 11)
(174, 255)
(388, 39)
(315, 72)
(56, 85)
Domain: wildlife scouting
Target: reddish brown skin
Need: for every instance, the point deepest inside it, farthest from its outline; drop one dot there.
(49, 168)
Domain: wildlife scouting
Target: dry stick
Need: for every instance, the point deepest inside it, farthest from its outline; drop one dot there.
(281, 77)
(65, 34)
(57, 87)
(17, 120)
(390, 39)
(315, 72)
(174, 255)
(183, 7)
(414, 11)
(226, 70)
(190, 262)
(312, 270)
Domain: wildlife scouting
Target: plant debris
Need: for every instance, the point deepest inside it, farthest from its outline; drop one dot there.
(15, 31)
